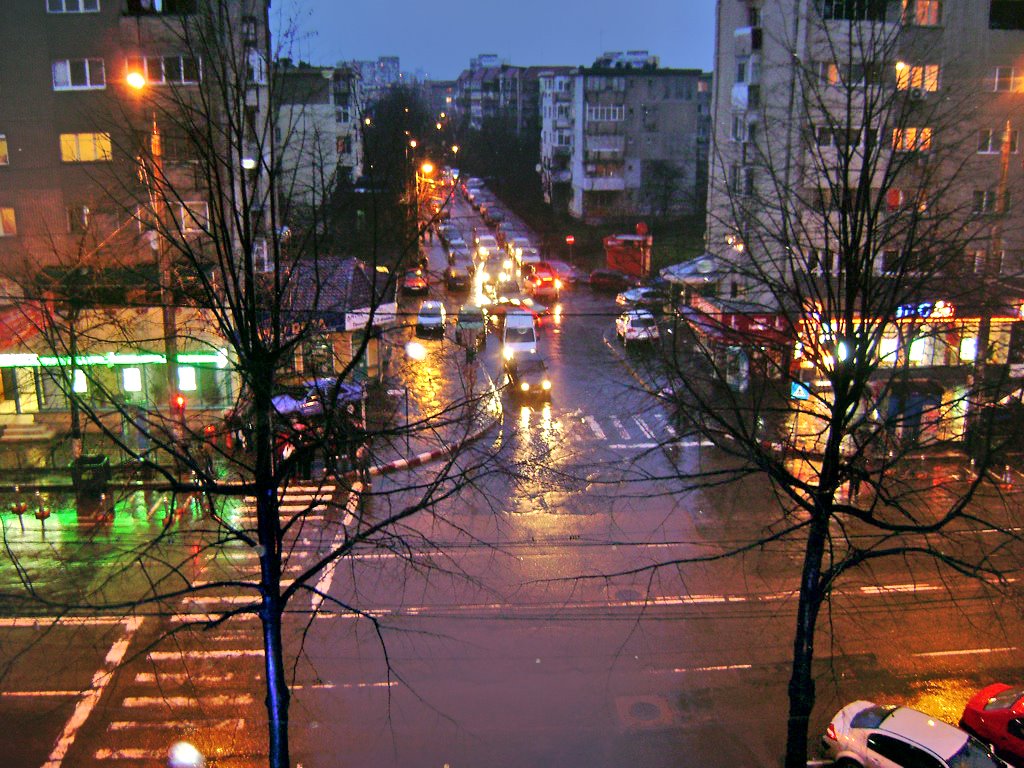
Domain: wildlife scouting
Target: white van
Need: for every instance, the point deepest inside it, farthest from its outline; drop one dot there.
(519, 336)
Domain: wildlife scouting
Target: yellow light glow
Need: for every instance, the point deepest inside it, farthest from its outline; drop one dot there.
(412, 143)
(136, 80)
(427, 168)
(455, 149)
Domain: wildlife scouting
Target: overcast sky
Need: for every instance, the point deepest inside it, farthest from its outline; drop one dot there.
(441, 37)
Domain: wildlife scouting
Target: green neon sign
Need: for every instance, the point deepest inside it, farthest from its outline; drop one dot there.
(111, 359)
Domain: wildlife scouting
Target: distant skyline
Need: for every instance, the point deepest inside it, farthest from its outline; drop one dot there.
(523, 32)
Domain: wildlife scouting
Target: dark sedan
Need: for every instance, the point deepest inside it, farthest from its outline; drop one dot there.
(611, 280)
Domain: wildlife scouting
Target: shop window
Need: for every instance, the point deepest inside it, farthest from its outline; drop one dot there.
(79, 382)
(132, 379)
(186, 378)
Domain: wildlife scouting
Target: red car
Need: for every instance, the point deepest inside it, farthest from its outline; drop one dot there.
(996, 714)
(543, 282)
(415, 283)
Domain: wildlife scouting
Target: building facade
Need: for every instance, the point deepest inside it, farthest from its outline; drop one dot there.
(624, 138)
(319, 141)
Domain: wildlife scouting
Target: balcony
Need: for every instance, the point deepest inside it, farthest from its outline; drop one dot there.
(605, 144)
(746, 96)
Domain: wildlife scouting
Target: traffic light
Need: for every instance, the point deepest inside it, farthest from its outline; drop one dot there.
(178, 404)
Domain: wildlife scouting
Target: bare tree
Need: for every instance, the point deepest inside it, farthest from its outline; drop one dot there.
(234, 275)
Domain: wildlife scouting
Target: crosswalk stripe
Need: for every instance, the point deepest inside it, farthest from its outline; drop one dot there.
(137, 702)
(623, 433)
(648, 433)
(594, 427)
(209, 653)
(181, 725)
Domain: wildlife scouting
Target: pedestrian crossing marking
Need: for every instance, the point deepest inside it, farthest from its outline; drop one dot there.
(644, 428)
(594, 427)
(623, 432)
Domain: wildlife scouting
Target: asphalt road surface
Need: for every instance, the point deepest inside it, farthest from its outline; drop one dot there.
(516, 624)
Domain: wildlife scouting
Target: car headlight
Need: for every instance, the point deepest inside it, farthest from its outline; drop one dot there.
(482, 251)
(525, 386)
(558, 285)
(502, 277)
(545, 385)
(507, 265)
(507, 353)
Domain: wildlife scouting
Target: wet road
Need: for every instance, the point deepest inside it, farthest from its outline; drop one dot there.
(502, 637)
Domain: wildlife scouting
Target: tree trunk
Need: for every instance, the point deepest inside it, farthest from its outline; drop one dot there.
(269, 528)
(801, 681)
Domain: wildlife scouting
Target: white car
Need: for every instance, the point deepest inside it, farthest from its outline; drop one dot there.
(431, 318)
(868, 735)
(636, 325)
(486, 246)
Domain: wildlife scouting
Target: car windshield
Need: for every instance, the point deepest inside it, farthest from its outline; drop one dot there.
(1004, 700)
(515, 334)
(530, 367)
(871, 717)
(643, 322)
(973, 754)
(471, 316)
(430, 311)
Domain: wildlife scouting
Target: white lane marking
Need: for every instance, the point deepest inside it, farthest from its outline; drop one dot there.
(39, 694)
(34, 622)
(181, 678)
(89, 699)
(203, 654)
(350, 686)
(208, 618)
(648, 433)
(888, 588)
(715, 668)
(213, 599)
(623, 432)
(671, 431)
(628, 446)
(591, 422)
(323, 584)
(182, 725)
(965, 652)
(138, 702)
(131, 754)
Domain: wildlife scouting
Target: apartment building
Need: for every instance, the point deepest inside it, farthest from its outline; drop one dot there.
(624, 138)
(492, 89)
(317, 133)
(72, 129)
(925, 94)
(376, 77)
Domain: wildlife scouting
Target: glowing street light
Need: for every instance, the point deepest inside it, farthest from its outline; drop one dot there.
(427, 168)
(136, 80)
(415, 351)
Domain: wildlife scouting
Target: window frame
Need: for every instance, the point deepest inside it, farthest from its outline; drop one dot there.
(1009, 81)
(912, 138)
(995, 142)
(101, 156)
(70, 86)
(5, 150)
(7, 214)
(922, 13)
(82, 6)
(922, 76)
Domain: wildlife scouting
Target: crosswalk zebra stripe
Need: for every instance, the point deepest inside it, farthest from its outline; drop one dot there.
(623, 432)
(648, 432)
(594, 427)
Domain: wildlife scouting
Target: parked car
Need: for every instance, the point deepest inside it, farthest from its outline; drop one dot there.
(644, 297)
(611, 280)
(995, 714)
(568, 274)
(308, 398)
(472, 320)
(636, 325)
(415, 284)
(868, 735)
(431, 319)
(528, 379)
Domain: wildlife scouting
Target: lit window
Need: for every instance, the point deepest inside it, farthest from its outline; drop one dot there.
(5, 157)
(922, 76)
(193, 216)
(186, 379)
(132, 379)
(922, 13)
(8, 224)
(912, 139)
(78, 74)
(917, 350)
(887, 347)
(85, 147)
(173, 70)
(1003, 80)
(79, 383)
(968, 348)
(72, 6)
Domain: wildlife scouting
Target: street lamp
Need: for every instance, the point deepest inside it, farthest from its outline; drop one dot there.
(154, 179)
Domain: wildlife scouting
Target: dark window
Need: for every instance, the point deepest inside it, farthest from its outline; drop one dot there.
(78, 218)
(1016, 728)
(900, 752)
(853, 10)
(1006, 14)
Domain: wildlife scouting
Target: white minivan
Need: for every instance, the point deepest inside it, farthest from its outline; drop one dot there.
(519, 336)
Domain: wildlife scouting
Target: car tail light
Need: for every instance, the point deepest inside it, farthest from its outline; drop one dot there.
(830, 732)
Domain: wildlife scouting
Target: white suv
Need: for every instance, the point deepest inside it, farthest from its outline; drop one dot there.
(636, 325)
(868, 735)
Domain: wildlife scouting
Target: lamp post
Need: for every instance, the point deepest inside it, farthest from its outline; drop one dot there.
(168, 310)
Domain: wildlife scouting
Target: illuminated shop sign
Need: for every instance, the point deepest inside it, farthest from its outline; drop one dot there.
(926, 310)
